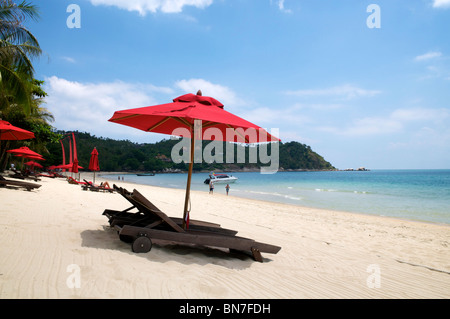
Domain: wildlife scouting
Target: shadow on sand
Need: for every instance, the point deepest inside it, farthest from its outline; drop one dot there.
(169, 251)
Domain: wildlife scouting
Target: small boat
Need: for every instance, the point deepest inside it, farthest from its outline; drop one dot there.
(221, 179)
(146, 174)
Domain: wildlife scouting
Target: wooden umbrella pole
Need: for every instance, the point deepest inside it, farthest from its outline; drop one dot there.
(188, 186)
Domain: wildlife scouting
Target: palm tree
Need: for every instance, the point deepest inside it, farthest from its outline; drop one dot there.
(18, 47)
(20, 94)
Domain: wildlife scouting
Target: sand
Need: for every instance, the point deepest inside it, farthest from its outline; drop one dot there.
(55, 243)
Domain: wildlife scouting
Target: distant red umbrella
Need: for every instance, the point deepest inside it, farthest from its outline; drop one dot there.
(75, 166)
(11, 132)
(68, 166)
(36, 158)
(185, 112)
(24, 152)
(33, 164)
(93, 163)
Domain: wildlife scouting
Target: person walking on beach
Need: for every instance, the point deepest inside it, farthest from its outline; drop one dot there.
(227, 188)
(211, 187)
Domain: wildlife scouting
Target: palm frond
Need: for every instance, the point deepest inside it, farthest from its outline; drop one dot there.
(17, 13)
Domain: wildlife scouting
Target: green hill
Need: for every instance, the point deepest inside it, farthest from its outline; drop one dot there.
(124, 155)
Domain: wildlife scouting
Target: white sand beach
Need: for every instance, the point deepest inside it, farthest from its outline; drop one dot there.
(56, 232)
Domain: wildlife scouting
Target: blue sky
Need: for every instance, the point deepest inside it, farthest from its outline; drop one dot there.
(359, 96)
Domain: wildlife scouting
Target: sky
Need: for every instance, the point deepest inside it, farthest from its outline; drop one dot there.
(364, 83)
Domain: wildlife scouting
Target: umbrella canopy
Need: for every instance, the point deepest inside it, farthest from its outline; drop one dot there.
(69, 166)
(24, 152)
(186, 112)
(93, 162)
(37, 158)
(33, 164)
(75, 166)
(11, 132)
(183, 112)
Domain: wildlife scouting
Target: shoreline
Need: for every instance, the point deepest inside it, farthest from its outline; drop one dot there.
(324, 254)
(105, 175)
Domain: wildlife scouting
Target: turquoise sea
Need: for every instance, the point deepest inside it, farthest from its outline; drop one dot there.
(422, 195)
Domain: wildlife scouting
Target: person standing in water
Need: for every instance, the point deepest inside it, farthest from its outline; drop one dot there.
(227, 188)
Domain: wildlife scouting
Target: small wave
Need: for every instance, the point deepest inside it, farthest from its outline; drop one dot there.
(292, 197)
(325, 190)
(340, 190)
(276, 194)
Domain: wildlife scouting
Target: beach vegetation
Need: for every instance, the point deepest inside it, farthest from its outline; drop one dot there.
(18, 47)
(124, 155)
(21, 95)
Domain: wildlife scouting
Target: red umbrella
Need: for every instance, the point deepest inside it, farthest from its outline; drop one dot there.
(68, 166)
(33, 164)
(11, 132)
(24, 152)
(93, 163)
(185, 112)
(37, 158)
(182, 113)
(75, 166)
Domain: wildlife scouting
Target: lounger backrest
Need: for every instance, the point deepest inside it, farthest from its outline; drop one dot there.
(144, 204)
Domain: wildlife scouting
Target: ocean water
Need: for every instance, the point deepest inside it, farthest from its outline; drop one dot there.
(422, 195)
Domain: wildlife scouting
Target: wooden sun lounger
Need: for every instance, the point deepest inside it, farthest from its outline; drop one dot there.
(149, 223)
(72, 180)
(7, 182)
(20, 175)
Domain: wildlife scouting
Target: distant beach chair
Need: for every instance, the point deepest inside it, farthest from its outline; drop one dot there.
(21, 175)
(150, 224)
(89, 185)
(72, 180)
(29, 186)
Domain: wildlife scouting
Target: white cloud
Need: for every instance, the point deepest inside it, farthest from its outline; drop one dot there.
(441, 3)
(366, 126)
(145, 6)
(428, 56)
(89, 106)
(394, 122)
(420, 114)
(221, 93)
(282, 8)
(345, 91)
(68, 59)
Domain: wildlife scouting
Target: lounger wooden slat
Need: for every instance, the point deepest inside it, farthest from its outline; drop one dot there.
(144, 204)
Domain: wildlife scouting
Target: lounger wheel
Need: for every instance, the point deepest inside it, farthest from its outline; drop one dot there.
(142, 244)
